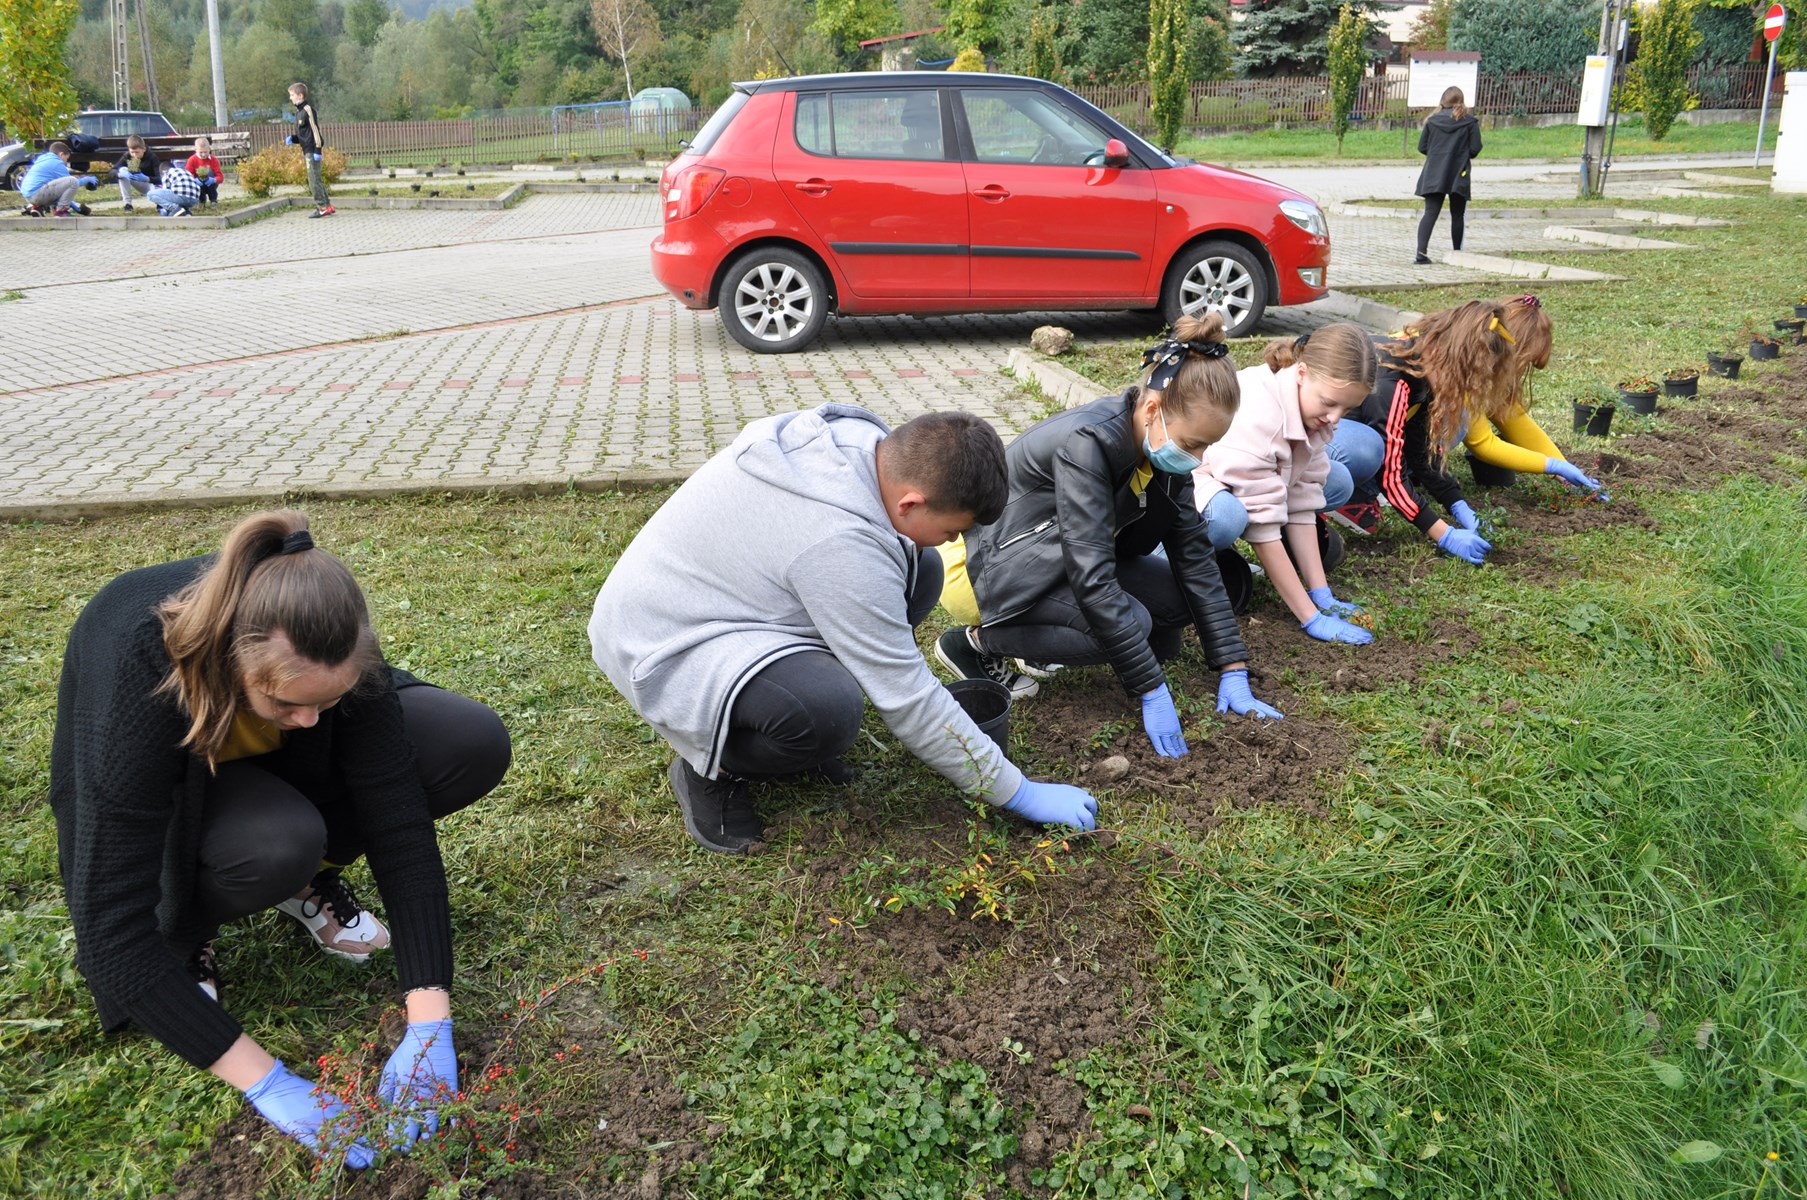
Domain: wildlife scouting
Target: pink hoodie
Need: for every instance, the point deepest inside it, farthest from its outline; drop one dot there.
(1267, 460)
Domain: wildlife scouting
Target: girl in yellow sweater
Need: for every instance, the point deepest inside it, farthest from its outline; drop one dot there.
(1514, 441)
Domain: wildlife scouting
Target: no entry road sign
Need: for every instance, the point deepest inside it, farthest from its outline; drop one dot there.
(1773, 20)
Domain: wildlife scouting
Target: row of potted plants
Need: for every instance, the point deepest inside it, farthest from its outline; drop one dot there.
(1595, 406)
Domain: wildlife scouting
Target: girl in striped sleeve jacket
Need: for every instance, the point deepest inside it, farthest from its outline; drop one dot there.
(1450, 368)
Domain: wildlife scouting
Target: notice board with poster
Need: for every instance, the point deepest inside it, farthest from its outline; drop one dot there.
(1433, 71)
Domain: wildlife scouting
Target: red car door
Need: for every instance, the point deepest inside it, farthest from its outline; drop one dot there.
(871, 174)
(1047, 217)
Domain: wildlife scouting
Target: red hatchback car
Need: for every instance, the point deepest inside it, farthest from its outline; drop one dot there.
(929, 193)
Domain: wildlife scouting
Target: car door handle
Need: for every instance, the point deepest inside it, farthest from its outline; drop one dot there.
(992, 192)
(815, 187)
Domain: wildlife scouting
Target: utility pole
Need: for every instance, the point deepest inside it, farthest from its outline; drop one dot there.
(220, 115)
(122, 62)
(1593, 148)
(144, 48)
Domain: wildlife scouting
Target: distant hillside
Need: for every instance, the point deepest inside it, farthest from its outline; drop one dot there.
(420, 8)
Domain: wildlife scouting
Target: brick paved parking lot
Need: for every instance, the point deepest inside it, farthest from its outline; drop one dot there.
(398, 346)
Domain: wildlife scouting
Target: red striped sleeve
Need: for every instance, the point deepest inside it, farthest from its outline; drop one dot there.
(1392, 469)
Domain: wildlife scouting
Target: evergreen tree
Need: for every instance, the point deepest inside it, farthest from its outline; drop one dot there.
(1544, 36)
(1286, 37)
(1169, 67)
(1346, 55)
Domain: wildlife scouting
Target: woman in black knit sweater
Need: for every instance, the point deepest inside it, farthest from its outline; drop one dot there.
(228, 737)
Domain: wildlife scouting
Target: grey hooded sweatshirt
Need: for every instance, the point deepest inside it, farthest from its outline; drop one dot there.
(778, 545)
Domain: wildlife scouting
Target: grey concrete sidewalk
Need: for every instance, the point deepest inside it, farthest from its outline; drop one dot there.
(387, 348)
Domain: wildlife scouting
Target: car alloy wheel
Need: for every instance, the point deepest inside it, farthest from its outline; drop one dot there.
(1220, 277)
(774, 301)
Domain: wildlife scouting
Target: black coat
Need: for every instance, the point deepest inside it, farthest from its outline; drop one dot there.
(1448, 146)
(129, 803)
(1072, 512)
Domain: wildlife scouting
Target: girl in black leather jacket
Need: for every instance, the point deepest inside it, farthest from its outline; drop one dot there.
(1070, 573)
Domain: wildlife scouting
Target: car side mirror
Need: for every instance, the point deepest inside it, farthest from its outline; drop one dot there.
(1116, 154)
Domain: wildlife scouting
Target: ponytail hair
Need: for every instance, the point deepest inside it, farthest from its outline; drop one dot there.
(1453, 101)
(1202, 381)
(1341, 352)
(1468, 355)
(268, 580)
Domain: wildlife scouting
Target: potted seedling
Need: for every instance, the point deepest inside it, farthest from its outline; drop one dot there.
(1594, 408)
(1763, 346)
(1800, 307)
(461, 168)
(1640, 393)
(1791, 330)
(414, 187)
(1681, 381)
(1725, 361)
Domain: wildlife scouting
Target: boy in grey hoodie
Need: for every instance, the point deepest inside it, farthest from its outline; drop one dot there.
(779, 587)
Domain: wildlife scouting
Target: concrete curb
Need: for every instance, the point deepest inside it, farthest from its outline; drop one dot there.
(1646, 216)
(1373, 314)
(1615, 241)
(1724, 180)
(113, 504)
(1688, 193)
(1064, 386)
(1525, 270)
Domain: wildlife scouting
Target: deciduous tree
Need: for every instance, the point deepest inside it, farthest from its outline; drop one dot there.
(1346, 54)
(1169, 67)
(37, 93)
(627, 29)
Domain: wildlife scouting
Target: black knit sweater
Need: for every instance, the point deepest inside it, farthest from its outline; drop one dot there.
(129, 801)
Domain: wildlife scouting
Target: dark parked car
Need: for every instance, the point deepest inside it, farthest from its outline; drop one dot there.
(110, 130)
(918, 192)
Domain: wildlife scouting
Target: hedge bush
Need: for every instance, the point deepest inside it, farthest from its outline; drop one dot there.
(275, 165)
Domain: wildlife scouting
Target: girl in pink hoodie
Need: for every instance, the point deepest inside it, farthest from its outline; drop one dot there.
(1269, 477)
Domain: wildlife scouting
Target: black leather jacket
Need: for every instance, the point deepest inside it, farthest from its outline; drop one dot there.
(1072, 513)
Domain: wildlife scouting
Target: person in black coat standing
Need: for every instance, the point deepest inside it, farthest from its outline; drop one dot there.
(228, 737)
(1449, 141)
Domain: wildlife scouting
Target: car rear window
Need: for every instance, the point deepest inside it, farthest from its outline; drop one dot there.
(713, 127)
(903, 124)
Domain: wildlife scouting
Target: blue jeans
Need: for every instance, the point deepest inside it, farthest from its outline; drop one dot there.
(1359, 449)
(1226, 518)
(167, 202)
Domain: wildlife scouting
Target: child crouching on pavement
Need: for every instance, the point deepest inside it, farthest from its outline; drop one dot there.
(206, 169)
(780, 586)
(178, 194)
(48, 187)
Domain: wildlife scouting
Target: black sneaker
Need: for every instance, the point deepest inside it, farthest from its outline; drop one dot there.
(128, 208)
(1421, 260)
(958, 654)
(206, 975)
(718, 813)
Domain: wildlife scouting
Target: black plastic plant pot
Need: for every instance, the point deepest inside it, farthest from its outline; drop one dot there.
(1764, 351)
(1487, 475)
(1800, 310)
(1594, 420)
(1724, 365)
(1641, 403)
(1789, 324)
(1238, 580)
(987, 702)
(1682, 387)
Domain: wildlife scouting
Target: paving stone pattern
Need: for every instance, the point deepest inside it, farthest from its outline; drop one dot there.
(468, 347)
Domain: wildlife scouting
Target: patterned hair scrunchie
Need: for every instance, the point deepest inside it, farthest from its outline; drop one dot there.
(1167, 357)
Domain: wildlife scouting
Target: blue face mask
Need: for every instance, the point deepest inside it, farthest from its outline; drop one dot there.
(1169, 458)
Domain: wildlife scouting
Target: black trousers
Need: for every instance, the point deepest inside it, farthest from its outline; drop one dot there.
(806, 708)
(1054, 629)
(1433, 206)
(262, 840)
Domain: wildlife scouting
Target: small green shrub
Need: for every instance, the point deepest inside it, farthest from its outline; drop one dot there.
(275, 165)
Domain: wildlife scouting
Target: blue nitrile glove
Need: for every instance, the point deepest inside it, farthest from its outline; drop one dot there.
(1324, 599)
(291, 140)
(89, 182)
(1466, 545)
(1463, 512)
(1329, 628)
(421, 1074)
(1054, 804)
(1162, 721)
(1233, 695)
(1569, 473)
(316, 157)
(291, 1103)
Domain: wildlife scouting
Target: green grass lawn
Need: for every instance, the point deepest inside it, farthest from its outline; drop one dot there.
(1541, 929)
(1555, 141)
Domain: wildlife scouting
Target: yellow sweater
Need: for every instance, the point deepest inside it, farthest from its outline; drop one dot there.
(1520, 444)
(251, 735)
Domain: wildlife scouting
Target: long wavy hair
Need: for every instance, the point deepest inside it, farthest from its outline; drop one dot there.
(1530, 323)
(1467, 355)
(218, 630)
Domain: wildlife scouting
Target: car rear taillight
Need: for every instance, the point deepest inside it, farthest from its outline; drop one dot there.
(690, 189)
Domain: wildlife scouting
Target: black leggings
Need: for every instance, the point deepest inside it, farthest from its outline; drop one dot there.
(1054, 629)
(806, 708)
(262, 840)
(1433, 205)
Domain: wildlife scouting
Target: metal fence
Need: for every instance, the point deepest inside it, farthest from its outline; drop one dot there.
(530, 135)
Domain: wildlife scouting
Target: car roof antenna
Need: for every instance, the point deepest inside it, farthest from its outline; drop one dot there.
(789, 71)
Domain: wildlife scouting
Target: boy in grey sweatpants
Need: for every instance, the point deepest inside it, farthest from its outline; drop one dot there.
(777, 590)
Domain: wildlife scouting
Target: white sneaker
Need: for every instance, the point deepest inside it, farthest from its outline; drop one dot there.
(338, 923)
